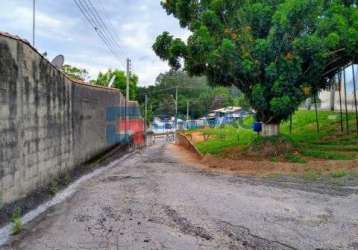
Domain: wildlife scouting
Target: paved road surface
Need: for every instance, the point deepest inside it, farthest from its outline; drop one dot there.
(151, 201)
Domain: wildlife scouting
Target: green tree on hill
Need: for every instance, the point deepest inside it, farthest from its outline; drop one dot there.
(277, 52)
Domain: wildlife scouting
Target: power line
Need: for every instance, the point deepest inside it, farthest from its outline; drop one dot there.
(109, 24)
(92, 19)
(101, 5)
(97, 19)
(88, 15)
(104, 25)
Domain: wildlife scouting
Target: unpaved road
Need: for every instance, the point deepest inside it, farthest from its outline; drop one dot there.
(151, 201)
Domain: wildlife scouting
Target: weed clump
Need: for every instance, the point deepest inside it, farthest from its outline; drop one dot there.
(16, 221)
(272, 147)
(53, 187)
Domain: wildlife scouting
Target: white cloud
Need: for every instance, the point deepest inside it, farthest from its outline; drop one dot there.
(150, 71)
(136, 34)
(61, 29)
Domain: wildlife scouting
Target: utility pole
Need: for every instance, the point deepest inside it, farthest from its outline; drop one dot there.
(128, 77)
(176, 107)
(187, 110)
(340, 98)
(333, 94)
(355, 95)
(145, 119)
(345, 99)
(33, 22)
(127, 97)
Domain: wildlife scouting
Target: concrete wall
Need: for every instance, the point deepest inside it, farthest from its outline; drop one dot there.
(48, 124)
(89, 119)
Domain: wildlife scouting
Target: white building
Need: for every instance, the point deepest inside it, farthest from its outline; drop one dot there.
(332, 99)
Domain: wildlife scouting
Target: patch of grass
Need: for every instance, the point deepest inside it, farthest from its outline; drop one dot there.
(339, 174)
(304, 125)
(294, 158)
(16, 226)
(329, 144)
(339, 148)
(215, 146)
(327, 155)
(223, 138)
(53, 187)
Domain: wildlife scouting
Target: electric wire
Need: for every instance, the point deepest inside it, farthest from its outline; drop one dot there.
(94, 23)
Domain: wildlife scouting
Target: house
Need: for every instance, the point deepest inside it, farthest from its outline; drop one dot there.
(228, 112)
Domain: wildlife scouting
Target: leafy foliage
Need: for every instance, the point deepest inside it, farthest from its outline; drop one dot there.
(328, 144)
(270, 49)
(120, 81)
(201, 97)
(75, 73)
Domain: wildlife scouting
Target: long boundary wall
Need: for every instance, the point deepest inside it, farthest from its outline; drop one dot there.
(48, 123)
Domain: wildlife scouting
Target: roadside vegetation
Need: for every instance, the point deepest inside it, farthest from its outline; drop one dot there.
(17, 225)
(329, 143)
(259, 47)
(299, 150)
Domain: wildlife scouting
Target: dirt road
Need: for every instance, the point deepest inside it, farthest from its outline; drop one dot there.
(152, 201)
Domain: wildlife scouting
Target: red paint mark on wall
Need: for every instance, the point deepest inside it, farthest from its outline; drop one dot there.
(134, 127)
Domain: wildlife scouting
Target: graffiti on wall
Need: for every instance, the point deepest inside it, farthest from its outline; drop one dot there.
(121, 130)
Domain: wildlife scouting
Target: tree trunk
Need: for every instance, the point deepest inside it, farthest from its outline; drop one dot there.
(270, 129)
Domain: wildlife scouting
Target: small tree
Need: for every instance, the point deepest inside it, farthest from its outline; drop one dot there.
(75, 73)
(120, 81)
(277, 52)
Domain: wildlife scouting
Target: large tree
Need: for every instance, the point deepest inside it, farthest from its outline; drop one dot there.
(277, 52)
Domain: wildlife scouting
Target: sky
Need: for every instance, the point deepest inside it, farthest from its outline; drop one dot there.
(61, 29)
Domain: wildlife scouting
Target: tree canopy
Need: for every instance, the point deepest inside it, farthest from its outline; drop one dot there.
(277, 52)
(201, 97)
(75, 73)
(120, 81)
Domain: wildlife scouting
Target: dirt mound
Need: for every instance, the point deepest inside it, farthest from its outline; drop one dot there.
(247, 167)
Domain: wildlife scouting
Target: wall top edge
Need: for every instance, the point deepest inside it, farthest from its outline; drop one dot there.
(27, 43)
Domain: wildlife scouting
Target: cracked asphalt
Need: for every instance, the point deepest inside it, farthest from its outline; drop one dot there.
(154, 201)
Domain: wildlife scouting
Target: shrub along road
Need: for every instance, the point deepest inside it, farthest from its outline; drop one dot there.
(152, 201)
